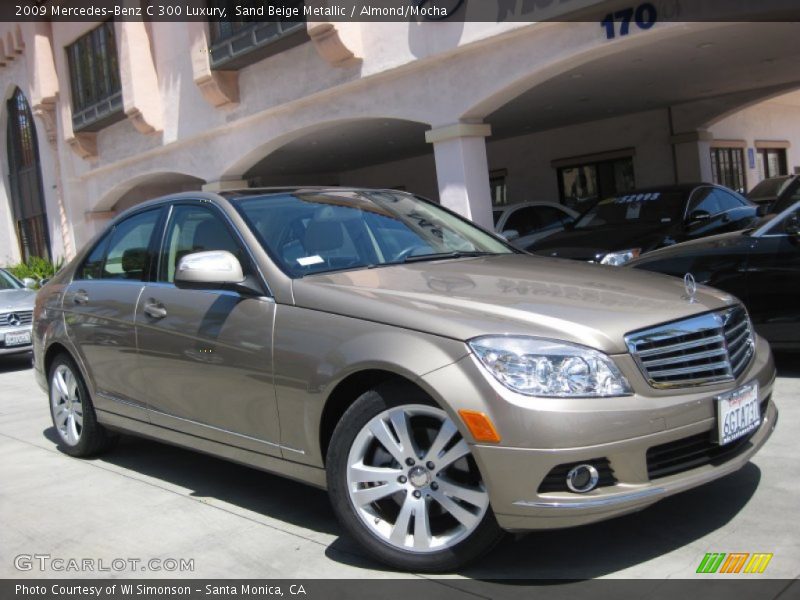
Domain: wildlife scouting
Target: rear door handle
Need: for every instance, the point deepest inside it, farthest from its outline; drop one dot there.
(81, 297)
(155, 310)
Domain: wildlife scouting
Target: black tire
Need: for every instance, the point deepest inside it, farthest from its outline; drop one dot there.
(93, 438)
(370, 404)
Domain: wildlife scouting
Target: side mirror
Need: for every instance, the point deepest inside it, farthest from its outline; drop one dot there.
(29, 283)
(762, 210)
(214, 268)
(698, 216)
(510, 235)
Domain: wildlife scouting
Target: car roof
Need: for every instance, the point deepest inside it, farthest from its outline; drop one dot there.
(239, 193)
(265, 191)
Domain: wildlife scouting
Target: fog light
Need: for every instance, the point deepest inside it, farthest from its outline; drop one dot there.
(582, 479)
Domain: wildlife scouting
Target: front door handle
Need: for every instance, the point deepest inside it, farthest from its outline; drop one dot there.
(155, 310)
(81, 297)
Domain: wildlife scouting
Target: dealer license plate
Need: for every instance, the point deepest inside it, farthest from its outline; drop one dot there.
(738, 413)
(18, 339)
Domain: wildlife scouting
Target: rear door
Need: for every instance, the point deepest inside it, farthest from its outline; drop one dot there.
(100, 307)
(207, 354)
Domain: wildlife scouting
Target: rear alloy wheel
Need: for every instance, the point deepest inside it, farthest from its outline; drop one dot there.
(405, 484)
(72, 412)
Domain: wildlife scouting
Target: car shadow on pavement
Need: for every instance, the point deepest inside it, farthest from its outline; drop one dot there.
(15, 362)
(578, 553)
(213, 478)
(788, 364)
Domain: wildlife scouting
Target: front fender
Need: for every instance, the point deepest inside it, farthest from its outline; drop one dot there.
(315, 351)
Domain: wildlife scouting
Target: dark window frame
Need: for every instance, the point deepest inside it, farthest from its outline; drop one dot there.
(601, 167)
(26, 189)
(498, 180)
(95, 81)
(783, 162)
(728, 167)
(237, 42)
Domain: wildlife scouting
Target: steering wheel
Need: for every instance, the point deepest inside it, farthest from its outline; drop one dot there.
(408, 251)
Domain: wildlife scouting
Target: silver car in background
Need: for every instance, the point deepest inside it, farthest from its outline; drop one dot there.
(16, 314)
(527, 222)
(443, 386)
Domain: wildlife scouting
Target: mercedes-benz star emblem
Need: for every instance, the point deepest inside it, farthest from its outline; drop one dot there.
(690, 285)
(13, 320)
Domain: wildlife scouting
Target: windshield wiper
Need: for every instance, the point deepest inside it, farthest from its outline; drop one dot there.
(446, 255)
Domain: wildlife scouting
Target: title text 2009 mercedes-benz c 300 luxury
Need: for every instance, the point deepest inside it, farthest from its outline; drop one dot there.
(443, 386)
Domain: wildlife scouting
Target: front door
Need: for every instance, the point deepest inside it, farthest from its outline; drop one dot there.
(206, 354)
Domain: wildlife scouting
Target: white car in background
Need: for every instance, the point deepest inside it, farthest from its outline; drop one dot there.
(16, 314)
(524, 223)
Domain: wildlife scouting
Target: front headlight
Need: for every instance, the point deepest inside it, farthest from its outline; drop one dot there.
(539, 367)
(617, 259)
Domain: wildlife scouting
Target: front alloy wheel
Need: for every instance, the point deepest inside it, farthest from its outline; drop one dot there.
(411, 490)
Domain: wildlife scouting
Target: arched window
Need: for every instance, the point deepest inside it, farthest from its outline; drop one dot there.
(25, 177)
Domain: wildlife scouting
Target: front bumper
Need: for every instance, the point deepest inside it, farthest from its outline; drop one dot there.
(541, 434)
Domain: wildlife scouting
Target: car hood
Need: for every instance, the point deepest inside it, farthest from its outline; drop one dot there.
(594, 243)
(715, 244)
(520, 294)
(17, 299)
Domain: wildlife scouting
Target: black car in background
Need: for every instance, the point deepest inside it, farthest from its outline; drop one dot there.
(776, 193)
(761, 266)
(620, 228)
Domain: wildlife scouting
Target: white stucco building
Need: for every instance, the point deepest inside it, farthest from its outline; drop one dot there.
(459, 112)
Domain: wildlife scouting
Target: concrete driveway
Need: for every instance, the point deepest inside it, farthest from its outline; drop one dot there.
(147, 500)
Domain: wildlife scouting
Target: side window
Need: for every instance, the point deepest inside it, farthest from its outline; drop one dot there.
(714, 201)
(780, 228)
(124, 253)
(728, 201)
(523, 220)
(706, 200)
(551, 218)
(92, 267)
(195, 229)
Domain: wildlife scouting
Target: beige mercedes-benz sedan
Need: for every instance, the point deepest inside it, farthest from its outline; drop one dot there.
(443, 386)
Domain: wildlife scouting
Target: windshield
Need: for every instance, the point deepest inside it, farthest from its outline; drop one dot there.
(318, 232)
(789, 198)
(769, 189)
(496, 214)
(650, 207)
(9, 282)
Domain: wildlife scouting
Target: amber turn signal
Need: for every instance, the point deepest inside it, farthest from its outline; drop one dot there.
(480, 426)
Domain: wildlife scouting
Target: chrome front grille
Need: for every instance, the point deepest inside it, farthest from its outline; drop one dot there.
(710, 348)
(7, 319)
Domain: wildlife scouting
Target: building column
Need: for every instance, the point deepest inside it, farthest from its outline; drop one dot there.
(462, 170)
(692, 151)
